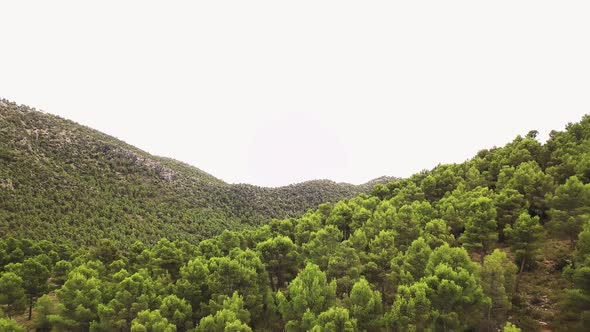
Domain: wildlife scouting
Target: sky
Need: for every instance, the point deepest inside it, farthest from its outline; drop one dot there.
(277, 92)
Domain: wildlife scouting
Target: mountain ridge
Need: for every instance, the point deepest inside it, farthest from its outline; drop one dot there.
(44, 156)
(165, 159)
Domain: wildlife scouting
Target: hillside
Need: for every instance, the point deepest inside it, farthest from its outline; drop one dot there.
(61, 180)
(500, 242)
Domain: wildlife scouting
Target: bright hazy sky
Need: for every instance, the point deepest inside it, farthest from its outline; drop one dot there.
(276, 92)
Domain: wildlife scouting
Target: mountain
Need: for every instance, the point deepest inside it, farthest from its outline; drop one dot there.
(62, 180)
(500, 242)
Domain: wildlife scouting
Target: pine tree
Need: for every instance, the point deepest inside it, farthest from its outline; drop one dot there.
(335, 319)
(570, 208)
(151, 321)
(280, 257)
(480, 229)
(12, 294)
(310, 290)
(498, 280)
(525, 238)
(365, 306)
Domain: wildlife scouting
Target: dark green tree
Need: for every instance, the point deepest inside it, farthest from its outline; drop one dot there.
(178, 312)
(364, 305)
(498, 281)
(382, 250)
(344, 266)
(244, 273)
(335, 319)
(570, 208)
(436, 233)
(341, 217)
(35, 276)
(151, 321)
(509, 205)
(530, 180)
(412, 309)
(280, 256)
(406, 226)
(480, 228)
(455, 293)
(79, 299)
(230, 317)
(192, 285)
(525, 239)
(61, 270)
(310, 290)
(322, 245)
(413, 263)
(12, 294)
(106, 251)
(133, 294)
(167, 258)
(44, 308)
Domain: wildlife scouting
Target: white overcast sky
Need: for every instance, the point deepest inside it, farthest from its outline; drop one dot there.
(277, 92)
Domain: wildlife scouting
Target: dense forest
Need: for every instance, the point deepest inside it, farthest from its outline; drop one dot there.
(499, 242)
(77, 184)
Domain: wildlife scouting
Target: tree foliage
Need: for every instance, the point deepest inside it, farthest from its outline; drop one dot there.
(132, 242)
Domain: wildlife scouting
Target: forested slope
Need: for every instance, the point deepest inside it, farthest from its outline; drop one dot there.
(61, 180)
(499, 242)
